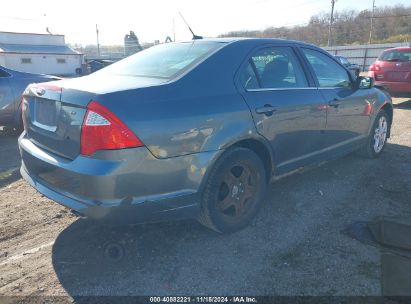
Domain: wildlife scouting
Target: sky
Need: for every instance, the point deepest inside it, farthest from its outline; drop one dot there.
(154, 19)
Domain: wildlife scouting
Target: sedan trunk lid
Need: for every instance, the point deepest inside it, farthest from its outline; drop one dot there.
(54, 112)
(51, 123)
(395, 71)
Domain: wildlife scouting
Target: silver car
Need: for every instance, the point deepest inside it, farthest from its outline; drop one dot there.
(12, 85)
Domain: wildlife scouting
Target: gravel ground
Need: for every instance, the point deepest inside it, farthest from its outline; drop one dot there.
(298, 245)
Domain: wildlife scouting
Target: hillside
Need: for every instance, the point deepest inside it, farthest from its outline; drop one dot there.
(391, 24)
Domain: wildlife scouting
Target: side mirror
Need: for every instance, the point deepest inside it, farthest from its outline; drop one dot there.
(365, 82)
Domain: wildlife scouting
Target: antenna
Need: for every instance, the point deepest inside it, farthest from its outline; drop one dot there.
(195, 37)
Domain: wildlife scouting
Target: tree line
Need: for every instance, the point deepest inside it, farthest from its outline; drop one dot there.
(390, 24)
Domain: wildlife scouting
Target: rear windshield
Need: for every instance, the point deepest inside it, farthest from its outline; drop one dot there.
(163, 61)
(396, 55)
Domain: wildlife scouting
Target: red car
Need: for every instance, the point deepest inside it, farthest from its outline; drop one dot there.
(392, 70)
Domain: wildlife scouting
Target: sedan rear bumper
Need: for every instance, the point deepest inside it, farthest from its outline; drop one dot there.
(127, 185)
(180, 206)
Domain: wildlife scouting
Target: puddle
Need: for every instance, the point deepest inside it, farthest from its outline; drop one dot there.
(392, 232)
(393, 237)
(359, 231)
(395, 270)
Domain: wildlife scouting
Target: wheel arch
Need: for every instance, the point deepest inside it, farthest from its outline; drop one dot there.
(263, 151)
(388, 108)
(258, 145)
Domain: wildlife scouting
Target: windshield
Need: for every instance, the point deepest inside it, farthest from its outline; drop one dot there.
(163, 61)
(396, 55)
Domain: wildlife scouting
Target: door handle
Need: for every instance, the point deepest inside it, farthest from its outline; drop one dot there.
(334, 103)
(267, 110)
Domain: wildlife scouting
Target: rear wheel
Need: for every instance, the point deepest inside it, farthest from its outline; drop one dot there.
(234, 191)
(378, 137)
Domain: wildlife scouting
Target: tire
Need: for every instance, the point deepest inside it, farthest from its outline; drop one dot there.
(234, 191)
(377, 139)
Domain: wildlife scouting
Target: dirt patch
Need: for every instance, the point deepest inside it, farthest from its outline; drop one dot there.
(296, 246)
(9, 233)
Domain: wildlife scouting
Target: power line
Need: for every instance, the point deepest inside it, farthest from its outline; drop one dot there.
(264, 1)
(292, 7)
(18, 18)
(392, 16)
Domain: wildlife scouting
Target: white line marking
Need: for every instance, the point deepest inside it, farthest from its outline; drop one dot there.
(26, 254)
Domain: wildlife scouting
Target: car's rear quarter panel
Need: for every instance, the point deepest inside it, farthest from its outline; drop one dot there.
(184, 125)
(201, 111)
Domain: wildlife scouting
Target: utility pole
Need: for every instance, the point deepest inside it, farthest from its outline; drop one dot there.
(331, 22)
(372, 21)
(98, 43)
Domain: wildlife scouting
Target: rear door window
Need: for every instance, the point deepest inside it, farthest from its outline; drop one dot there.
(273, 68)
(328, 72)
(248, 78)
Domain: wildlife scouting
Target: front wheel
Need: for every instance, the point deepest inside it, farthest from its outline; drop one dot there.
(378, 137)
(234, 191)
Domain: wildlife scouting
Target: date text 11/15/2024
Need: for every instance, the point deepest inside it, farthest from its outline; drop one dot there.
(203, 299)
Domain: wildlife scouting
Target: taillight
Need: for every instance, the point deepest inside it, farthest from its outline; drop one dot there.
(367, 109)
(374, 67)
(102, 130)
(24, 106)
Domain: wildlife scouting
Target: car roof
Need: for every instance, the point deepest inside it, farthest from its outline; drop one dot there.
(256, 41)
(401, 48)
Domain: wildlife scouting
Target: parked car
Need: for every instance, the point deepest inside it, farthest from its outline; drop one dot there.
(355, 68)
(12, 85)
(97, 64)
(195, 129)
(392, 70)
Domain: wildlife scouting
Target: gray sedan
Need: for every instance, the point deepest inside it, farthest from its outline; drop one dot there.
(196, 129)
(12, 85)
(355, 68)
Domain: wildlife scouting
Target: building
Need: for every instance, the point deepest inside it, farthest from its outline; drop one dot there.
(131, 44)
(39, 53)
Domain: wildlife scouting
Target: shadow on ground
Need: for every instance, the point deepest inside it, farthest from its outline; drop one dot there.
(289, 249)
(88, 257)
(9, 158)
(405, 105)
